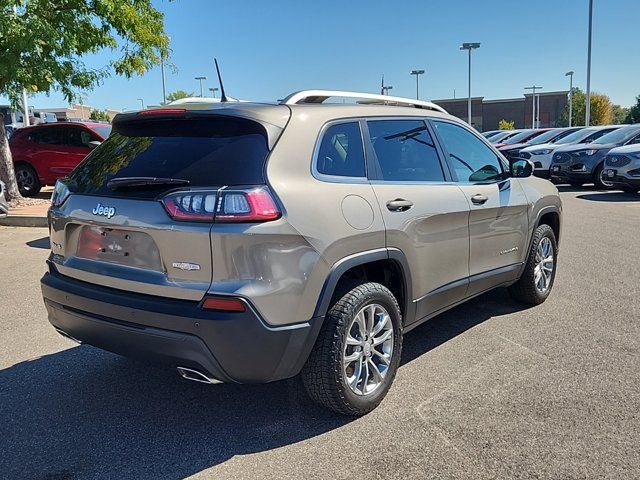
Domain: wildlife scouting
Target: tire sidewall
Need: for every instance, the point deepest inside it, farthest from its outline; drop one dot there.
(545, 231)
(386, 299)
(35, 187)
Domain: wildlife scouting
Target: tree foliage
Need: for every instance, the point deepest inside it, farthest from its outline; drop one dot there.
(43, 44)
(634, 112)
(601, 109)
(177, 95)
(99, 115)
(506, 125)
(619, 114)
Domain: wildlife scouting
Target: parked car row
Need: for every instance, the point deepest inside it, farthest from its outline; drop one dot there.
(44, 153)
(607, 156)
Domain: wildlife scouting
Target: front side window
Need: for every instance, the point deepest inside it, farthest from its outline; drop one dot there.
(405, 151)
(471, 158)
(79, 137)
(341, 153)
(47, 135)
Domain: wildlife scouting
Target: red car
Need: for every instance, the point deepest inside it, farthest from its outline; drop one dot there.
(44, 153)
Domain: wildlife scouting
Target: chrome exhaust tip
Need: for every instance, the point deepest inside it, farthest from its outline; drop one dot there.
(196, 376)
(66, 335)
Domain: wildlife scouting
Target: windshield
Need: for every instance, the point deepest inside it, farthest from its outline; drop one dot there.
(103, 130)
(618, 136)
(502, 136)
(575, 137)
(519, 137)
(545, 137)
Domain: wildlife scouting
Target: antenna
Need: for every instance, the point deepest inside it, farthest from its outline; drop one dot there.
(223, 96)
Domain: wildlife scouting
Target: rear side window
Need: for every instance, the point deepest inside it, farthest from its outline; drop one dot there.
(341, 153)
(47, 136)
(472, 160)
(79, 137)
(405, 151)
(209, 152)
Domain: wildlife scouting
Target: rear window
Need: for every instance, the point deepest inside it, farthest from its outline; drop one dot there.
(206, 152)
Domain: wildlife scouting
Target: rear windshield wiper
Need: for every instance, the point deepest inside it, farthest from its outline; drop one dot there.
(129, 182)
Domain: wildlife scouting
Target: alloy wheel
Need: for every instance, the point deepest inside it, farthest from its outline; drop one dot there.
(543, 270)
(368, 349)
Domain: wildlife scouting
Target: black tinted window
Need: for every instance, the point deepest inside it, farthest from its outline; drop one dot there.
(471, 158)
(341, 153)
(206, 152)
(79, 137)
(405, 150)
(47, 135)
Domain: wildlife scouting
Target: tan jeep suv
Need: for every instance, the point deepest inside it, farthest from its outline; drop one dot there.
(245, 242)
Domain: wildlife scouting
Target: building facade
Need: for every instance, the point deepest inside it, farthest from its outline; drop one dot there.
(486, 114)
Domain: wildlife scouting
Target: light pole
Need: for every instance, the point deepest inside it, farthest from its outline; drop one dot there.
(469, 47)
(417, 73)
(533, 111)
(588, 107)
(141, 102)
(570, 75)
(386, 88)
(164, 82)
(201, 79)
(213, 91)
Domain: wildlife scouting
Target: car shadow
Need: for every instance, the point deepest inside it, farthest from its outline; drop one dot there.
(83, 412)
(40, 243)
(572, 189)
(611, 196)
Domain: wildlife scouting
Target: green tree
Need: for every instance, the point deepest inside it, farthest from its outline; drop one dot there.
(601, 109)
(43, 45)
(99, 115)
(619, 114)
(505, 125)
(634, 112)
(178, 94)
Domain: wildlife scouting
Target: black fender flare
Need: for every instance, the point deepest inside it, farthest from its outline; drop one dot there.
(362, 258)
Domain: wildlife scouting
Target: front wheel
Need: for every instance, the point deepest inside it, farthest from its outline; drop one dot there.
(357, 353)
(599, 180)
(536, 281)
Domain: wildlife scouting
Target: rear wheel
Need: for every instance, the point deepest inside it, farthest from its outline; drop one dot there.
(356, 356)
(27, 178)
(536, 281)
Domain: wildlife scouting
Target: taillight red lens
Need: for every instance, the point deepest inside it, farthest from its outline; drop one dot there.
(226, 304)
(191, 206)
(255, 205)
(241, 205)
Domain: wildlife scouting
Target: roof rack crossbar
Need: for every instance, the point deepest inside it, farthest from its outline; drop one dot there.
(319, 96)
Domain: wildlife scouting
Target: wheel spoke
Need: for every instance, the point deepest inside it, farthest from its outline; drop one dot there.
(352, 358)
(374, 369)
(361, 324)
(385, 359)
(352, 341)
(383, 338)
(371, 319)
(365, 379)
(384, 320)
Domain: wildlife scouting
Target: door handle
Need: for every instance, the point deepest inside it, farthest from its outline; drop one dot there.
(399, 205)
(479, 199)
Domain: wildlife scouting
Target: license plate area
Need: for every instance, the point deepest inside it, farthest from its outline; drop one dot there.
(123, 247)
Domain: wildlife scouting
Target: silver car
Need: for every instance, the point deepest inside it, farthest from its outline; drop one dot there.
(622, 168)
(4, 205)
(247, 243)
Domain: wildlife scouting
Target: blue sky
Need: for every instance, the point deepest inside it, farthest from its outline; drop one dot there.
(270, 48)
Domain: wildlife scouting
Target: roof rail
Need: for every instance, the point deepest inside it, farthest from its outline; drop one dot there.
(319, 96)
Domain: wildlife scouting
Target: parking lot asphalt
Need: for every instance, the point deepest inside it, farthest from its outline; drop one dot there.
(488, 390)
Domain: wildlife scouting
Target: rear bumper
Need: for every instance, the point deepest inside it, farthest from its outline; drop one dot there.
(230, 347)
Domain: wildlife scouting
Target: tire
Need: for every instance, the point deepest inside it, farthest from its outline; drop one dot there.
(598, 181)
(28, 181)
(527, 288)
(324, 376)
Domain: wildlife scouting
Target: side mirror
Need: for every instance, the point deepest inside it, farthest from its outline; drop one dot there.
(521, 168)
(93, 144)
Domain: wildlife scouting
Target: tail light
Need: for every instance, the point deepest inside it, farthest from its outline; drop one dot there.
(237, 205)
(60, 193)
(225, 304)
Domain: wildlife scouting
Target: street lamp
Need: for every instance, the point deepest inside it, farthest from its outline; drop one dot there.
(213, 91)
(417, 73)
(533, 111)
(570, 75)
(141, 102)
(588, 107)
(469, 47)
(201, 79)
(386, 88)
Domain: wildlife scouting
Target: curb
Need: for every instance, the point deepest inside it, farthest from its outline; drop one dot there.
(23, 221)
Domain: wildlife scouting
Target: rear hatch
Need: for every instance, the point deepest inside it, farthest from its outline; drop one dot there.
(141, 206)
